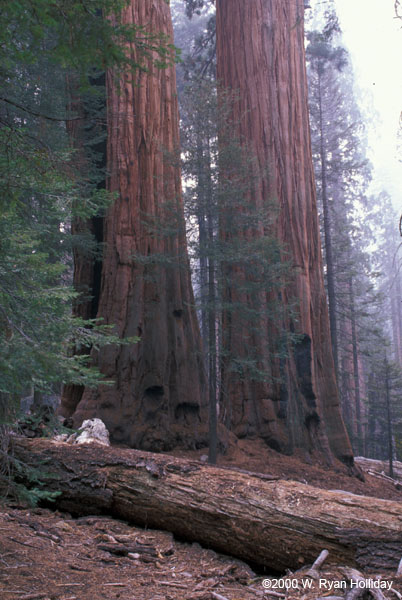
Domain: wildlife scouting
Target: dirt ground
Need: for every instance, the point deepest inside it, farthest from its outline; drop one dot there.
(254, 455)
(48, 555)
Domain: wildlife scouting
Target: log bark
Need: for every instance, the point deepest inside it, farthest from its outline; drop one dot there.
(276, 523)
(260, 57)
(159, 396)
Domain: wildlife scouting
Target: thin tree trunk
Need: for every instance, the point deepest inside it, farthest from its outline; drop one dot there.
(260, 57)
(399, 314)
(213, 416)
(395, 332)
(330, 272)
(212, 346)
(389, 416)
(396, 309)
(372, 418)
(202, 240)
(159, 395)
(356, 375)
(345, 384)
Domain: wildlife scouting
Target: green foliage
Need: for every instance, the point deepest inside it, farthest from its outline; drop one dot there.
(79, 36)
(195, 34)
(18, 480)
(230, 236)
(343, 175)
(382, 343)
(37, 329)
(194, 7)
(385, 410)
(43, 184)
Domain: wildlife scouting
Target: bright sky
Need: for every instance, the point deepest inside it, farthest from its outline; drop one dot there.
(374, 39)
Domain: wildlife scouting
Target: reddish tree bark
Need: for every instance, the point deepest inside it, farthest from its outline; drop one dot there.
(158, 398)
(260, 55)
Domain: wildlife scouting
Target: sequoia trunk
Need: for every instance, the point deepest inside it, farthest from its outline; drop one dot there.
(260, 56)
(159, 396)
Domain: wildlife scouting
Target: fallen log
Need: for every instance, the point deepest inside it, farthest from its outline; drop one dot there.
(275, 523)
(379, 466)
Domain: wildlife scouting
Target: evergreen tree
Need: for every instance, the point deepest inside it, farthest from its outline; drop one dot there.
(374, 275)
(385, 412)
(42, 184)
(342, 176)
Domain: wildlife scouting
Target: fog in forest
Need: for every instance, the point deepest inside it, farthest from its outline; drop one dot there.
(355, 92)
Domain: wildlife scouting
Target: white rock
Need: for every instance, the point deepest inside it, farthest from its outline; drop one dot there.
(92, 431)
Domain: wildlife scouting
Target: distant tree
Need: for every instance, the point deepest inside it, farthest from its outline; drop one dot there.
(323, 61)
(196, 38)
(342, 176)
(199, 145)
(385, 416)
(378, 330)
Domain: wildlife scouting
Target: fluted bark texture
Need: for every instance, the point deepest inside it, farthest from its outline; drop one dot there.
(158, 399)
(260, 56)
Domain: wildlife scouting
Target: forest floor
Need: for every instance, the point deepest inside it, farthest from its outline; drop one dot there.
(48, 555)
(254, 455)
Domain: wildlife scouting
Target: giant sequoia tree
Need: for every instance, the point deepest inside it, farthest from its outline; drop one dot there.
(260, 56)
(158, 395)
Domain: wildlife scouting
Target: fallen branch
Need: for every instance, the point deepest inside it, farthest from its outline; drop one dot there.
(218, 596)
(379, 466)
(34, 596)
(313, 572)
(381, 476)
(362, 590)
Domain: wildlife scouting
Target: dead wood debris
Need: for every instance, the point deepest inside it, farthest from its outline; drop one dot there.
(101, 558)
(362, 592)
(313, 572)
(33, 597)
